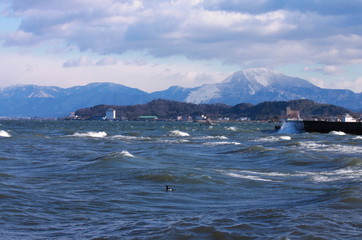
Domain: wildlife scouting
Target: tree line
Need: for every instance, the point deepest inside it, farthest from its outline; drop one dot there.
(167, 109)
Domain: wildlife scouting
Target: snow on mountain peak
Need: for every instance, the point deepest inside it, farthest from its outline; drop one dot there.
(263, 76)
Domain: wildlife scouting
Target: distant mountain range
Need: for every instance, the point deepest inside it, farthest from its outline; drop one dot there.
(249, 86)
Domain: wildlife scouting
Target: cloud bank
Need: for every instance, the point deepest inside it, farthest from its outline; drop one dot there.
(248, 33)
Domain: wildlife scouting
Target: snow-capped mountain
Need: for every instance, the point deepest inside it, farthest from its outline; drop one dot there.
(31, 91)
(259, 85)
(31, 100)
(252, 86)
(248, 86)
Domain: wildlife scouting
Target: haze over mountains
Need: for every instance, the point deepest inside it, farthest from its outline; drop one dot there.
(248, 86)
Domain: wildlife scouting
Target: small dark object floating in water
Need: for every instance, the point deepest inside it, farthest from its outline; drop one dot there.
(168, 189)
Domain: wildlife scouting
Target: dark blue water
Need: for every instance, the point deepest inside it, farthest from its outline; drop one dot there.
(106, 180)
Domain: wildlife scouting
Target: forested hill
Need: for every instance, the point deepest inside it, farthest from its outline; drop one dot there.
(170, 109)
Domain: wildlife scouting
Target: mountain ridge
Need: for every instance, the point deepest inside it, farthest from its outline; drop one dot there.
(247, 86)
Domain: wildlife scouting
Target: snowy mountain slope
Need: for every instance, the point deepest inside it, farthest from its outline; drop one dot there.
(31, 100)
(259, 85)
(32, 91)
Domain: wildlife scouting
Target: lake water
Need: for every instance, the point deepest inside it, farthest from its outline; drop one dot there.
(106, 180)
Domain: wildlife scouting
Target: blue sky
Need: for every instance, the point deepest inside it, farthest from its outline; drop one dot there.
(155, 44)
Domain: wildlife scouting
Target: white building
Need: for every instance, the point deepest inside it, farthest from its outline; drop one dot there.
(348, 118)
(111, 114)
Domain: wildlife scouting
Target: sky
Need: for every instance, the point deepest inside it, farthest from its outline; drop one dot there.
(154, 44)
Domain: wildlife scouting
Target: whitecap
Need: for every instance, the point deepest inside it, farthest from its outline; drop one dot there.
(177, 133)
(358, 137)
(338, 133)
(274, 139)
(174, 141)
(127, 154)
(91, 134)
(212, 137)
(233, 128)
(287, 138)
(123, 137)
(221, 143)
(319, 147)
(4, 134)
(247, 176)
(353, 174)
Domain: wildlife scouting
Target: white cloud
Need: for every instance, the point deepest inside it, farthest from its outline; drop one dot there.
(259, 33)
(79, 62)
(107, 61)
(194, 28)
(327, 70)
(343, 83)
(45, 70)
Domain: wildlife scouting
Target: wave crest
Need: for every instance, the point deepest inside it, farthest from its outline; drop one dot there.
(4, 134)
(91, 134)
(178, 133)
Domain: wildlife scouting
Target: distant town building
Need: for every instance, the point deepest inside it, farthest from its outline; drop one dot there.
(348, 118)
(111, 114)
(293, 114)
(202, 117)
(244, 119)
(72, 115)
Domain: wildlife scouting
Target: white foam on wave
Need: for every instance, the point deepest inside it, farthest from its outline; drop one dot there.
(232, 128)
(212, 137)
(246, 175)
(123, 137)
(221, 143)
(320, 147)
(4, 134)
(338, 133)
(291, 127)
(354, 174)
(274, 139)
(91, 134)
(174, 141)
(125, 153)
(178, 133)
(350, 174)
(358, 137)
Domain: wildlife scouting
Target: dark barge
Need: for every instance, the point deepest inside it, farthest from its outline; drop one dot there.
(326, 127)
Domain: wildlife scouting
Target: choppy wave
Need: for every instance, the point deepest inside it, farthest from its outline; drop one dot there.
(212, 137)
(221, 143)
(91, 134)
(233, 128)
(178, 133)
(321, 147)
(272, 186)
(125, 153)
(4, 134)
(338, 133)
(132, 138)
(351, 174)
(249, 175)
(274, 139)
(170, 141)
